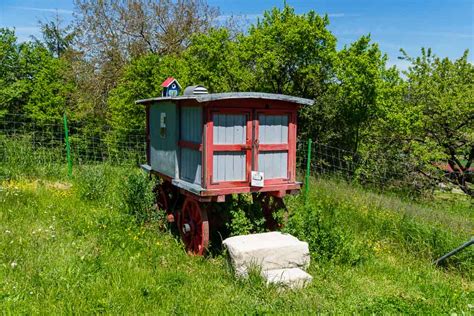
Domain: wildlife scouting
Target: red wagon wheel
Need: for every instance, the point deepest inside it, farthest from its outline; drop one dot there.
(164, 199)
(271, 204)
(194, 227)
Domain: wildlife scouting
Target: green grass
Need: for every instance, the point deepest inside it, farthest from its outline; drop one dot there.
(63, 253)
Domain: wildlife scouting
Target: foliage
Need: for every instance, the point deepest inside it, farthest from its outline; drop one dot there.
(399, 131)
(245, 217)
(438, 123)
(50, 96)
(318, 224)
(57, 38)
(19, 159)
(138, 196)
(92, 182)
(61, 253)
(20, 63)
(140, 80)
(429, 128)
(217, 61)
(291, 53)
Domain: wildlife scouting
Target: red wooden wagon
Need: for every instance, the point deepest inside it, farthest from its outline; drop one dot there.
(206, 146)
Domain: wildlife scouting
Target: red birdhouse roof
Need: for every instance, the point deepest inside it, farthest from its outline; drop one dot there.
(169, 81)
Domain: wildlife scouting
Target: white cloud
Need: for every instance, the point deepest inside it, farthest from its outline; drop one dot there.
(249, 17)
(50, 10)
(342, 15)
(336, 15)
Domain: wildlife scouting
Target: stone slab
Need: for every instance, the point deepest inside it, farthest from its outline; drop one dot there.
(267, 251)
(293, 278)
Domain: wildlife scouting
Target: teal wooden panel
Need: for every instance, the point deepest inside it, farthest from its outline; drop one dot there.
(163, 146)
(191, 166)
(191, 131)
(191, 124)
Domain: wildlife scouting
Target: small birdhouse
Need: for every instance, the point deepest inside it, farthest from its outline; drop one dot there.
(171, 87)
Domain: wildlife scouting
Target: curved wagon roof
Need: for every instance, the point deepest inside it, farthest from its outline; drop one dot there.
(232, 95)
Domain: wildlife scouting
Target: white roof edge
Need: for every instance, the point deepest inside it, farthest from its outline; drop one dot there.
(233, 95)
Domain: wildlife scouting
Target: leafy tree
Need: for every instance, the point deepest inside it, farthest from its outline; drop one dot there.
(50, 92)
(9, 57)
(216, 60)
(20, 63)
(436, 119)
(56, 37)
(135, 28)
(291, 53)
(360, 86)
(140, 80)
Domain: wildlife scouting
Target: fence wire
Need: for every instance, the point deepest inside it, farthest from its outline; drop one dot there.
(25, 143)
(23, 140)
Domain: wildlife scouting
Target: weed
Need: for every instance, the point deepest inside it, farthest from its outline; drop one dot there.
(56, 260)
(138, 196)
(319, 225)
(246, 217)
(92, 182)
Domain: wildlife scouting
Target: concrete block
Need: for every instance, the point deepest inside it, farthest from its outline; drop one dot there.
(267, 251)
(293, 278)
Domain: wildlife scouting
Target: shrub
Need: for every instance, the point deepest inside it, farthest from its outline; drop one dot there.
(246, 217)
(138, 196)
(92, 182)
(321, 226)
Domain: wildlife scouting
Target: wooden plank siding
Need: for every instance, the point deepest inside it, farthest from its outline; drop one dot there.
(273, 135)
(274, 164)
(273, 129)
(191, 128)
(191, 165)
(229, 129)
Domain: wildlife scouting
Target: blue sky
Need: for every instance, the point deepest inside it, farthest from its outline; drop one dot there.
(445, 26)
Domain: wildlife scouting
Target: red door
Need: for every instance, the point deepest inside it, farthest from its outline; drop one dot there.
(229, 152)
(274, 149)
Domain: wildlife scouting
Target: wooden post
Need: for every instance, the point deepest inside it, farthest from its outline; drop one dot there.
(308, 170)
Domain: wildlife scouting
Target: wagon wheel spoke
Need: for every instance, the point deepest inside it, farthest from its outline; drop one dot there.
(271, 204)
(165, 198)
(194, 227)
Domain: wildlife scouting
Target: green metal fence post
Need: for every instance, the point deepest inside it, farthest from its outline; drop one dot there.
(68, 147)
(308, 169)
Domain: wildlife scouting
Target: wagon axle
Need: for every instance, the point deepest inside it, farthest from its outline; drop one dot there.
(192, 217)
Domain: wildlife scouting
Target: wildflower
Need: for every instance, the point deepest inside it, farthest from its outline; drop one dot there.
(13, 264)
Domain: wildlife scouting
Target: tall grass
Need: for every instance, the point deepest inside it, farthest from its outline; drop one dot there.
(63, 250)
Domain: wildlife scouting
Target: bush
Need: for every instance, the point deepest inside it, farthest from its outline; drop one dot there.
(246, 217)
(138, 196)
(92, 183)
(320, 225)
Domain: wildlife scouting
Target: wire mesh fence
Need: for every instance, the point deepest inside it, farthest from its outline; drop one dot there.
(25, 143)
(378, 170)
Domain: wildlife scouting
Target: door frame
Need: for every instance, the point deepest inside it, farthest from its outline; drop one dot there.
(211, 147)
(289, 147)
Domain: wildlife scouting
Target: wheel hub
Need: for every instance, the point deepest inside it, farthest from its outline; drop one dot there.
(186, 228)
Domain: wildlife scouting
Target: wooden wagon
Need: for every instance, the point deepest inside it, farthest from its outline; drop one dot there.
(207, 146)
